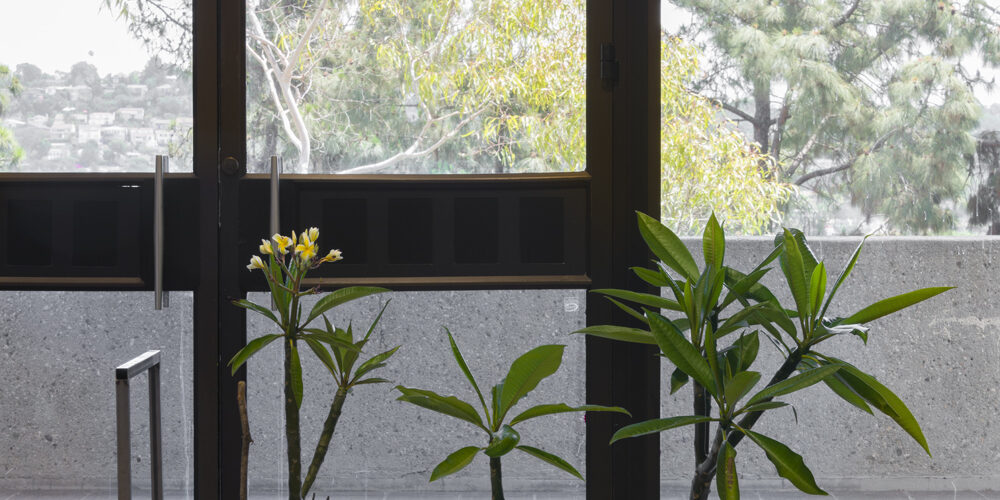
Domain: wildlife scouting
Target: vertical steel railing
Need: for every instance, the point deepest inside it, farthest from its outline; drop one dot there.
(148, 362)
(160, 297)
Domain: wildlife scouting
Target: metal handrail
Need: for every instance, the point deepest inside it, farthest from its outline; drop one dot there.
(147, 362)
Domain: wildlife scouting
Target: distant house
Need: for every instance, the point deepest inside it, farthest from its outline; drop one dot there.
(87, 133)
(58, 151)
(125, 114)
(162, 124)
(112, 133)
(100, 119)
(78, 117)
(62, 131)
(137, 89)
(142, 135)
(164, 137)
(38, 121)
(165, 89)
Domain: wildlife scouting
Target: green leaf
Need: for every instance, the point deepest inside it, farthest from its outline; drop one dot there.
(280, 296)
(263, 311)
(657, 425)
(378, 318)
(677, 380)
(448, 405)
(248, 350)
(525, 374)
(681, 352)
(744, 352)
(795, 274)
(468, 374)
(746, 286)
(455, 462)
(836, 384)
(296, 373)
(654, 278)
(726, 480)
(550, 459)
(789, 464)
(338, 297)
(739, 386)
(809, 260)
(667, 246)
(630, 311)
(767, 405)
(502, 442)
(551, 409)
(882, 399)
(792, 384)
(646, 299)
(337, 342)
(323, 355)
(893, 304)
(374, 362)
(622, 333)
(817, 287)
(713, 243)
(843, 275)
(373, 380)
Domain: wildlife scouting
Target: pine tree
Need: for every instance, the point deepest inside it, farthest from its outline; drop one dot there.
(866, 99)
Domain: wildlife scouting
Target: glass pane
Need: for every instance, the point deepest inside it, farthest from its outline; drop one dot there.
(388, 447)
(836, 117)
(103, 87)
(423, 87)
(58, 396)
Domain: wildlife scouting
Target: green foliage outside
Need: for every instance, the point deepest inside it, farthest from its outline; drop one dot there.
(10, 152)
(867, 102)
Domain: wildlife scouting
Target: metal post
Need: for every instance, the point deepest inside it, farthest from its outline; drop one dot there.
(275, 194)
(124, 439)
(148, 362)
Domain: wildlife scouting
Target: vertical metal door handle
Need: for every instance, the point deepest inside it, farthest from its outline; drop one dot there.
(275, 215)
(275, 178)
(161, 298)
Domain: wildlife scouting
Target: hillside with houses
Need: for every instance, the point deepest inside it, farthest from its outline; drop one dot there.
(80, 121)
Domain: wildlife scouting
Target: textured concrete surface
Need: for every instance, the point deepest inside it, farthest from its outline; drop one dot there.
(941, 357)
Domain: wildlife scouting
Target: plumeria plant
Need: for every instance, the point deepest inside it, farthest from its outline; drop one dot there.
(718, 305)
(289, 259)
(501, 438)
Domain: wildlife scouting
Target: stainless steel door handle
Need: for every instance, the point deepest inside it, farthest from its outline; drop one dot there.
(161, 298)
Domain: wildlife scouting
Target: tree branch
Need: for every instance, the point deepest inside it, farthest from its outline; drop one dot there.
(411, 152)
(729, 107)
(806, 148)
(877, 145)
(846, 16)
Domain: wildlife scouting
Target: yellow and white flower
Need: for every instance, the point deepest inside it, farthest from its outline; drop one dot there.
(255, 263)
(283, 242)
(313, 234)
(265, 247)
(333, 256)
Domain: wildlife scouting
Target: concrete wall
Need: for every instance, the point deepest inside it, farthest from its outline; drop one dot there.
(941, 357)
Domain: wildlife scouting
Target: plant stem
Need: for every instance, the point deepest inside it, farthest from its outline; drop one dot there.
(705, 470)
(324, 439)
(496, 479)
(292, 431)
(241, 401)
(702, 407)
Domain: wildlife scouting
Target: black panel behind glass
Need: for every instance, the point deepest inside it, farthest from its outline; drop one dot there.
(541, 230)
(345, 227)
(477, 230)
(95, 233)
(410, 227)
(29, 232)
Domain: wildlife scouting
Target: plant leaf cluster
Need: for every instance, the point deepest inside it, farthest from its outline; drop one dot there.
(693, 342)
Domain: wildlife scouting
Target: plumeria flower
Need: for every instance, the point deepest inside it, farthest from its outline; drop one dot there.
(255, 263)
(307, 249)
(265, 247)
(333, 256)
(313, 234)
(283, 242)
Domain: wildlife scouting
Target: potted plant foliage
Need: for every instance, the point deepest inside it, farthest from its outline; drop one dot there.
(288, 261)
(717, 315)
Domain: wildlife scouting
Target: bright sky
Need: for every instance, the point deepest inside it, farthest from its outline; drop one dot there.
(55, 34)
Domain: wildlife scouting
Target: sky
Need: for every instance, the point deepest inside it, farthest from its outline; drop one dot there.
(72, 31)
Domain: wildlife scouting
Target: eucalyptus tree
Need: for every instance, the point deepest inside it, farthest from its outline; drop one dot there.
(869, 99)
